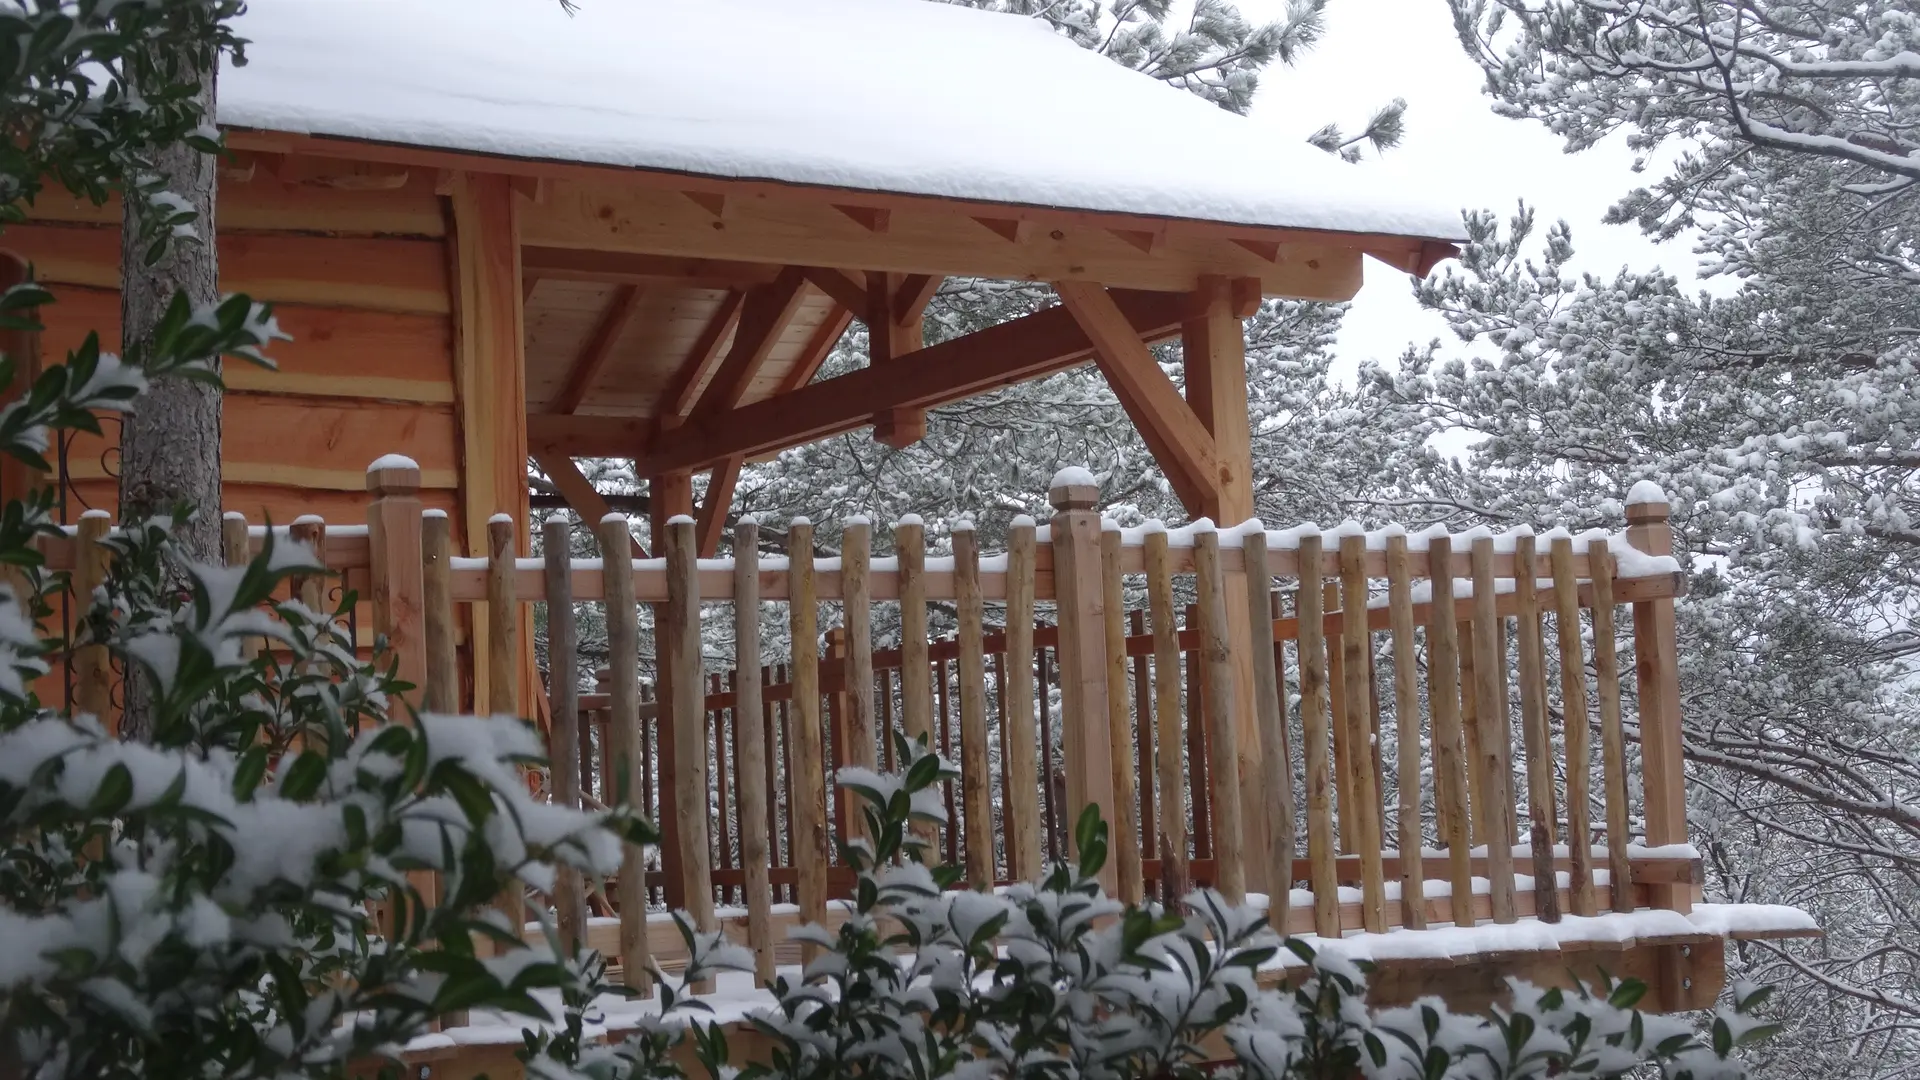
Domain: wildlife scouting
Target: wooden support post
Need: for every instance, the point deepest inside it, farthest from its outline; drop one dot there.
(889, 338)
(749, 718)
(502, 649)
(1083, 648)
(1214, 357)
(687, 719)
(624, 738)
(563, 697)
(395, 567)
(92, 677)
(976, 786)
(1024, 862)
(1124, 846)
(1657, 674)
(443, 664)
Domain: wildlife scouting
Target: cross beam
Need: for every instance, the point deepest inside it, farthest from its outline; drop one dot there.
(1012, 352)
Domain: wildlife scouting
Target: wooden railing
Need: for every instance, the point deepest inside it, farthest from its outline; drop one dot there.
(1218, 694)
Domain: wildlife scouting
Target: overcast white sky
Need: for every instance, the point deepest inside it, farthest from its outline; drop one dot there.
(1377, 50)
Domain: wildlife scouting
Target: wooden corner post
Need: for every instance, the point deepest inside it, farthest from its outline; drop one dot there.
(1083, 652)
(1656, 667)
(397, 566)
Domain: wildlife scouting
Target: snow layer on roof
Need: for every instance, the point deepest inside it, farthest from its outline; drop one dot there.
(881, 95)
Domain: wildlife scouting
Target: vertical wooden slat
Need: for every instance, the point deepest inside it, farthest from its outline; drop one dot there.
(1313, 726)
(784, 724)
(1276, 762)
(92, 677)
(771, 780)
(1024, 862)
(807, 786)
(886, 720)
(443, 665)
(1573, 712)
(1347, 821)
(1049, 793)
(943, 690)
(623, 738)
(1496, 732)
(1005, 801)
(569, 894)
(1363, 799)
(1406, 715)
(1125, 843)
(1229, 852)
(1075, 533)
(719, 720)
(976, 788)
(1536, 739)
(856, 550)
(1613, 740)
(1470, 735)
(1176, 879)
(689, 714)
(916, 695)
(836, 721)
(1142, 692)
(1199, 768)
(1657, 677)
(1444, 674)
(236, 546)
(503, 651)
(309, 589)
(752, 722)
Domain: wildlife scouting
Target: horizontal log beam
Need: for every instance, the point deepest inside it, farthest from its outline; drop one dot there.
(629, 268)
(954, 370)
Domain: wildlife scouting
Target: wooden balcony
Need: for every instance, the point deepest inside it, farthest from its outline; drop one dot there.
(1507, 706)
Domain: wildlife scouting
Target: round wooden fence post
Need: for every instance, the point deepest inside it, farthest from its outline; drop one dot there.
(1083, 652)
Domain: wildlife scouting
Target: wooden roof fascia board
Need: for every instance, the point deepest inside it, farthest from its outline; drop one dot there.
(1170, 427)
(621, 267)
(763, 316)
(998, 213)
(1015, 351)
(579, 492)
(847, 291)
(613, 322)
(698, 366)
(711, 521)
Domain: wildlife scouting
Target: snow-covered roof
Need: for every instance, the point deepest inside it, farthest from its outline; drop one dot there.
(899, 96)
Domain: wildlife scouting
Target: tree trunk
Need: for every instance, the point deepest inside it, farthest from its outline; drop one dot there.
(170, 443)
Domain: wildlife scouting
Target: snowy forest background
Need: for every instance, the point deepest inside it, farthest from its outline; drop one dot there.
(1778, 407)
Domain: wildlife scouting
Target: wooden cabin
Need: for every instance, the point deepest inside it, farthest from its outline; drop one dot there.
(498, 232)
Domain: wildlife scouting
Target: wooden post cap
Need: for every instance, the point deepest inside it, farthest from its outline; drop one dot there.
(393, 474)
(1073, 488)
(1646, 502)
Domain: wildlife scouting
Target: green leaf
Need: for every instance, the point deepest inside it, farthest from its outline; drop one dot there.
(115, 791)
(248, 773)
(303, 777)
(1627, 994)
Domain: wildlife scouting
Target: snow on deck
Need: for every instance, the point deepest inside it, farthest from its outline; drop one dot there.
(879, 95)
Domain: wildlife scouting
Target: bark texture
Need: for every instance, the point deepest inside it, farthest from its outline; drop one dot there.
(170, 443)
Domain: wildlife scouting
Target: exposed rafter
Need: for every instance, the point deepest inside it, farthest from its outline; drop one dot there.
(614, 320)
(712, 518)
(1180, 443)
(767, 311)
(817, 349)
(845, 290)
(954, 370)
(576, 264)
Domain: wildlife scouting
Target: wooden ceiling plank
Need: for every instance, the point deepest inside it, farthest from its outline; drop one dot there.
(1179, 441)
(712, 518)
(844, 290)
(579, 492)
(817, 349)
(1015, 351)
(763, 316)
(698, 366)
(614, 320)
